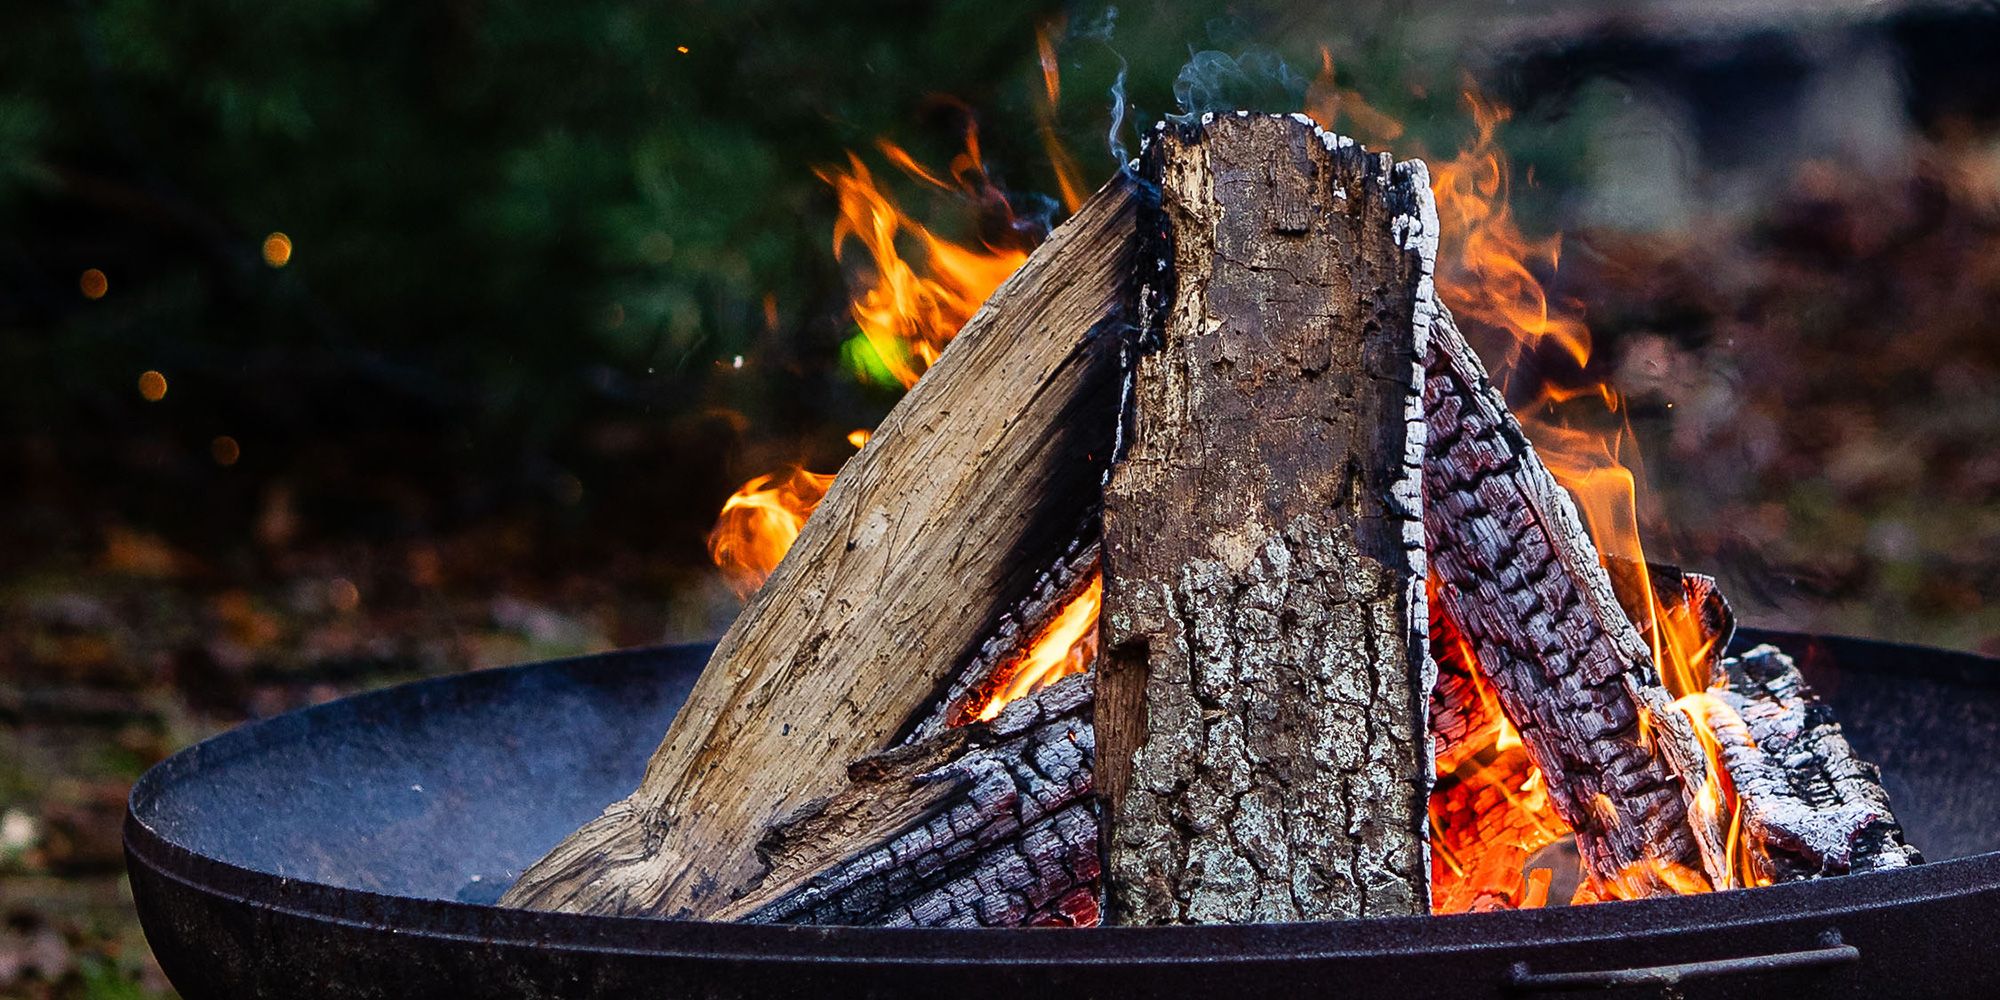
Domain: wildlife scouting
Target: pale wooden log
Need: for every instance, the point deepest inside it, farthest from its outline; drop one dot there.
(985, 825)
(1520, 577)
(1264, 668)
(1810, 806)
(969, 489)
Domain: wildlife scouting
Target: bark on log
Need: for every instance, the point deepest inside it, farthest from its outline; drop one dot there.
(988, 825)
(1811, 805)
(971, 486)
(1520, 577)
(1264, 678)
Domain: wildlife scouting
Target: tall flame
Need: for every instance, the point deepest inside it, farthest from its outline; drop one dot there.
(1580, 431)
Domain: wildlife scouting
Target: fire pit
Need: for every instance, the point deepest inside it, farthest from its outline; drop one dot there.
(355, 850)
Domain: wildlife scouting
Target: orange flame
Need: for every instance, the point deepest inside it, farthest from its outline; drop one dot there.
(1327, 100)
(759, 523)
(910, 308)
(1069, 177)
(1582, 436)
(1066, 645)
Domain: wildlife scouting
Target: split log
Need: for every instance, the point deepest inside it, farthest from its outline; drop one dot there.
(1264, 671)
(971, 486)
(1520, 577)
(1809, 804)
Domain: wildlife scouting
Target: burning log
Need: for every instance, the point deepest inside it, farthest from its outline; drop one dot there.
(1812, 806)
(986, 825)
(1489, 807)
(895, 730)
(1521, 578)
(1261, 719)
(973, 484)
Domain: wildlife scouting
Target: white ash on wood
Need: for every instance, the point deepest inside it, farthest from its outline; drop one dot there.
(1811, 805)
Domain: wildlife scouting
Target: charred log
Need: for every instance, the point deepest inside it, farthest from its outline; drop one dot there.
(988, 825)
(1265, 671)
(1810, 805)
(1522, 579)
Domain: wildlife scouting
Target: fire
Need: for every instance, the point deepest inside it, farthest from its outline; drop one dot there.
(1065, 645)
(1069, 177)
(911, 307)
(1579, 429)
(907, 311)
(1491, 811)
(758, 524)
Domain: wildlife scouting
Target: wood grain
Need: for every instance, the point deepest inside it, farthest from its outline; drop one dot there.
(972, 486)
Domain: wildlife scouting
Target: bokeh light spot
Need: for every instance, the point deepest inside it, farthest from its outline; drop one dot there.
(225, 450)
(277, 249)
(94, 284)
(152, 386)
(343, 594)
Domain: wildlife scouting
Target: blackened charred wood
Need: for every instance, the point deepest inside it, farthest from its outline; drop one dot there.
(1520, 577)
(1810, 806)
(1264, 676)
(988, 825)
(1694, 605)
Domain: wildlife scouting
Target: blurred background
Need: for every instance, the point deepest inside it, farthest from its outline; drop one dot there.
(345, 342)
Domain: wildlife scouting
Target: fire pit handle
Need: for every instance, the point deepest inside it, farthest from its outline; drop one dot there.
(1830, 952)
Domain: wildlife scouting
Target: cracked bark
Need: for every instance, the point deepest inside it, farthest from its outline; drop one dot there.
(971, 487)
(1262, 689)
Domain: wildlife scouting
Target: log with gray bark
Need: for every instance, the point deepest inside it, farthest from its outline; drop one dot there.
(1521, 578)
(1264, 671)
(971, 487)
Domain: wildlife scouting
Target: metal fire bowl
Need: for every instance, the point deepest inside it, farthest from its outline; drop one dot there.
(354, 849)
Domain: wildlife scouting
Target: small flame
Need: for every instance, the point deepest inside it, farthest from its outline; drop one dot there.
(1069, 177)
(1066, 645)
(1327, 101)
(759, 523)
